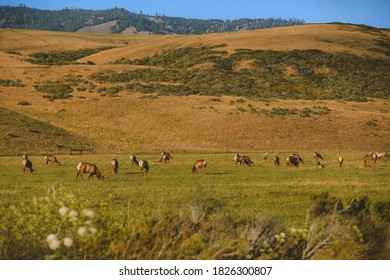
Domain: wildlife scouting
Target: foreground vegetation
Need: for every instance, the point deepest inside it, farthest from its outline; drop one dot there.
(232, 212)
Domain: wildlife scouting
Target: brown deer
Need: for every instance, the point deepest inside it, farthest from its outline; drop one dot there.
(115, 166)
(89, 168)
(341, 161)
(369, 155)
(143, 166)
(237, 159)
(133, 160)
(27, 164)
(247, 161)
(317, 156)
(293, 160)
(382, 155)
(372, 155)
(53, 160)
(165, 157)
(199, 164)
(298, 157)
(265, 156)
(276, 161)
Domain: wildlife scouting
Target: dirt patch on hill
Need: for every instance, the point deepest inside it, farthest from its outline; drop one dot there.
(104, 28)
(244, 64)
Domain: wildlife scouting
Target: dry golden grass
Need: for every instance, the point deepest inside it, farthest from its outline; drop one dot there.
(193, 123)
(103, 28)
(326, 37)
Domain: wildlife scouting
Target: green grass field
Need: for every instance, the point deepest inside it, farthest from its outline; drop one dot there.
(283, 192)
(172, 214)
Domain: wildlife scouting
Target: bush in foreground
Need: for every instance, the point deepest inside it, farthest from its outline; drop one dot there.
(59, 226)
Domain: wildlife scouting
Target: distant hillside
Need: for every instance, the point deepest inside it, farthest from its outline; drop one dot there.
(290, 88)
(123, 21)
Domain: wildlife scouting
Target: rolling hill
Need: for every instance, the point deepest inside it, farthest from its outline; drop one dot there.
(20, 134)
(289, 88)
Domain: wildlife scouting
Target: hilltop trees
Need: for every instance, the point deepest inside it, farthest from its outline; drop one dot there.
(74, 19)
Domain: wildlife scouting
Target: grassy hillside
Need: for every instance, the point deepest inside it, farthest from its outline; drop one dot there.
(277, 89)
(20, 134)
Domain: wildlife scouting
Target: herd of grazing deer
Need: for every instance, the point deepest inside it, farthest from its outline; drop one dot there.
(291, 160)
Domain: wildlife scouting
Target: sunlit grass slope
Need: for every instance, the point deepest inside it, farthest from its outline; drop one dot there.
(129, 121)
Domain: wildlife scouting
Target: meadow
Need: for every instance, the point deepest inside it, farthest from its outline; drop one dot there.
(240, 194)
(281, 90)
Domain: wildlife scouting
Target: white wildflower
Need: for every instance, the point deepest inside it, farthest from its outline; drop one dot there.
(73, 215)
(63, 211)
(82, 231)
(93, 230)
(51, 237)
(68, 242)
(88, 213)
(53, 242)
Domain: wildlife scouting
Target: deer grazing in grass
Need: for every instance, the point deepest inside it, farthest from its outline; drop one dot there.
(165, 157)
(143, 166)
(382, 155)
(115, 166)
(372, 155)
(237, 159)
(247, 161)
(341, 161)
(27, 164)
(89, 168)
(276, 161)
(265, 156)
(293, 160)
(199, 164)
(133, 159)
(317, 156)
(53, 160)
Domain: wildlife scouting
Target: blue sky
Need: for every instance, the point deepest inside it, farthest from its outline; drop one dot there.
(372, 12)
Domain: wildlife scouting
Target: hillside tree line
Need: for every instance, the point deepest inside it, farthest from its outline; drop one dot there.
(71, 20)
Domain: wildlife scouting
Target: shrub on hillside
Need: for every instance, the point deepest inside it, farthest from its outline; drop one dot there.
(63, 57)
(11, 83)
(24, 103)
(317, 74)
(56, 90)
